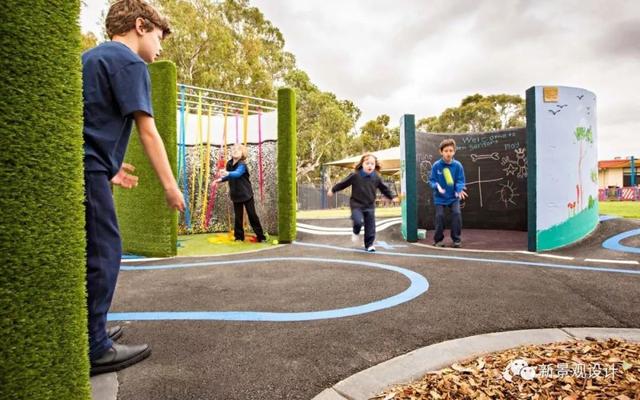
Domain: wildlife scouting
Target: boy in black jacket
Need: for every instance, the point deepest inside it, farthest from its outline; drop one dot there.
(364, 182)
(241, 193)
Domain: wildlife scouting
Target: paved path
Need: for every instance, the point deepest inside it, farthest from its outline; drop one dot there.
(468, 294)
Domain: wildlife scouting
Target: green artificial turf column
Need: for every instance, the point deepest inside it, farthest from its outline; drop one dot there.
(286, 165)
(147, 226)
(43, 318)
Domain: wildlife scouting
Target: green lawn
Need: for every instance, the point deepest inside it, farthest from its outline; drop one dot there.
(381, 212)
(626, 209)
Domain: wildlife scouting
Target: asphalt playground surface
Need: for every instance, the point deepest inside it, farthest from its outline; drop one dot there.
(204, 317)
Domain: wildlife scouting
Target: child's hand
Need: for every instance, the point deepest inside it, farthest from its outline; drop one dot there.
(329, 193)
(440, 189)
(224, 172)
(124, 179)
(175, 199)
(218, 180)
(462, 195)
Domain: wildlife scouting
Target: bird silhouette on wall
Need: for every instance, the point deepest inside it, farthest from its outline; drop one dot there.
(580, 97)
(554, 112)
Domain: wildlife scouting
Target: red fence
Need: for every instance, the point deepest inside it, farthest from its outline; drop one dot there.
(621, 194)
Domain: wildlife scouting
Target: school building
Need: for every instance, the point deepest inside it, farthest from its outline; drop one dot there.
(614, 179)
(617, 173)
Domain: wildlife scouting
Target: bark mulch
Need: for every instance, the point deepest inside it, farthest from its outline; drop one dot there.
(575, 370)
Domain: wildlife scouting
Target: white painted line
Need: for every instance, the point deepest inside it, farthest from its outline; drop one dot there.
(463, 249)
(391, 221)
(559, 257)
(599, 260)
(129, 260)
(316, 230)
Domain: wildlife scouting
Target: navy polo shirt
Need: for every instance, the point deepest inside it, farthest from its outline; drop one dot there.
(115, 84)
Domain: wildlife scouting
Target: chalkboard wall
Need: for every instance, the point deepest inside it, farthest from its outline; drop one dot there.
(495, 167)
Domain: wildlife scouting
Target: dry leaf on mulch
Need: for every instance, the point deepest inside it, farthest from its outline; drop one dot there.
(576, 370)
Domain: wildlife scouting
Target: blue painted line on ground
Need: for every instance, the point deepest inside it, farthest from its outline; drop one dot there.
(608, 217)
(132, 257)
(484, 260)
(418, 285)
(613, 243)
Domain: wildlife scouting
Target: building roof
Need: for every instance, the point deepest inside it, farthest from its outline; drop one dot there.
(611, 164)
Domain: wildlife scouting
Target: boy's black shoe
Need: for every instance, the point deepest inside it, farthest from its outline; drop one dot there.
(438, 244)
(118, 357)
(114, 332)
(457, 245)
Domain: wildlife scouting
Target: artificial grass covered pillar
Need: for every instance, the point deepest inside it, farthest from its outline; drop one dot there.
(43, 322)
(287, 202)
(147, 226)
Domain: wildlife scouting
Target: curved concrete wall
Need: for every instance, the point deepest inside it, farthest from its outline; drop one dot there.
(563, 165)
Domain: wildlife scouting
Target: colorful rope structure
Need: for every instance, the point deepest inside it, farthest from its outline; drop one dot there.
(196, 176)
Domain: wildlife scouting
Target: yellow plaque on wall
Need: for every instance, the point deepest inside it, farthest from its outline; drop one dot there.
(550, 94)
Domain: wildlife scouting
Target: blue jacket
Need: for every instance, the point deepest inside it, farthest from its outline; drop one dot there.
(438, 176)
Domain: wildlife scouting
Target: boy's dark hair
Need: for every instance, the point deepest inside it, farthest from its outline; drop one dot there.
(123, 14)
(364, 157)
(447, 143)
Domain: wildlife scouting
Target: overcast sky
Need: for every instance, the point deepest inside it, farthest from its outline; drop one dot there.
(421, 56)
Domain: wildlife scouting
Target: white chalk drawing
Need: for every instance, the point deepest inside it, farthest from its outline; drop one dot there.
(517, 167)
(492, 156)
(508, 194)
(479, 182)
(425, 167)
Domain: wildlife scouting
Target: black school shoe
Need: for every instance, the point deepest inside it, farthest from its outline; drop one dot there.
(119, 356)
(114, 332)
(457, 245)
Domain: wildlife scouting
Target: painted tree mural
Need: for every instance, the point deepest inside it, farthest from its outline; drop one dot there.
(583, 136)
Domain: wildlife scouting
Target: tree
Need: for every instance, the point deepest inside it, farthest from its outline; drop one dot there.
(324, 123)
(88, 41)
(225, 45)
(477, 113)
(376, 135)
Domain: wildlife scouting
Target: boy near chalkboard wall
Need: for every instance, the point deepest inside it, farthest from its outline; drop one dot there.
(448, 184)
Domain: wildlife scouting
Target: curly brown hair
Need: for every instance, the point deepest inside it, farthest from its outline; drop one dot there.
(123, 14)
(364, 157)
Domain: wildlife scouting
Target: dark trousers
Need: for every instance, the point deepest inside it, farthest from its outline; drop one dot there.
(366, 216)
(456, 222)
(238, 230)
(104, 251)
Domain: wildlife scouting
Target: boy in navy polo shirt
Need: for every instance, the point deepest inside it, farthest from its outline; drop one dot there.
(448, 184)
(116, 90)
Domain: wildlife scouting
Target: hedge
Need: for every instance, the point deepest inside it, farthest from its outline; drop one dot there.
(43, 328)
(147, 226)
(286, 165)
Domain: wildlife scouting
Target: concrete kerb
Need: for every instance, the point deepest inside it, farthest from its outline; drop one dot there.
(412, 366)
(104, 386)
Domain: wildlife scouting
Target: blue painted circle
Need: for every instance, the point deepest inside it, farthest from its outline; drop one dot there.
(419, 285)
(613, 243)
